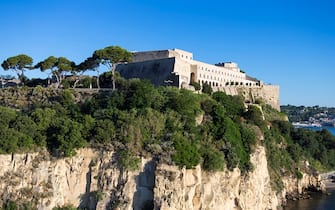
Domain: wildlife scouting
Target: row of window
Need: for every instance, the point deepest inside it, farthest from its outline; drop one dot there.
(225, 74)
(231, 83)
(214, 71)
(218, 78)
(186, 56)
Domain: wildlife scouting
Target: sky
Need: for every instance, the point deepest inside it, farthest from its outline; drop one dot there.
(290, 43)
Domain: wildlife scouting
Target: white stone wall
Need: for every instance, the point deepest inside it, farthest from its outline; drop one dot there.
(225, 77)
(217, 76)
(183, 69)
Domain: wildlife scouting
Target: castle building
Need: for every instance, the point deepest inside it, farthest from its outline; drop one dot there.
(178, 68)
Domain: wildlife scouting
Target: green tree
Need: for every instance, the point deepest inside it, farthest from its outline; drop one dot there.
(7, 115)
(248, 137)
(254, 116)
(233, 104)
(104, 131)
(206, 88)
(186, 103)
(43, 117)
(76, 74)
(9, 140)
(58, 67)
(110, 57)
(196, 85)
(18, 64)
(90, 64)
(142, 94)
(64, 135)
(28, 132)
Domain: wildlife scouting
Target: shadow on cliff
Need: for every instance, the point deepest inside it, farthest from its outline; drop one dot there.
(89, 199)
(143, 198)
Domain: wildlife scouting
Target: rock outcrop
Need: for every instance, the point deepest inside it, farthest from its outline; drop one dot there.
(297, 188)
(196, 189)
(92, 179)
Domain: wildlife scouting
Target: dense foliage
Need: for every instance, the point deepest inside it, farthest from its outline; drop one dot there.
(292, 151)
(174, 126)
(136, 120)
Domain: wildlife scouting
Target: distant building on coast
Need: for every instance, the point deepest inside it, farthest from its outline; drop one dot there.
(5, 83)
(178, 68)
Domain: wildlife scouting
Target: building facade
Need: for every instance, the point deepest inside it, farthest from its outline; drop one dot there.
(178, 68)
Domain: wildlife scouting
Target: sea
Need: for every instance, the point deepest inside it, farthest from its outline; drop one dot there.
(318, 201)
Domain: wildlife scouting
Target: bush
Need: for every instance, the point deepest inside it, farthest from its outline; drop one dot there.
(64, 136)
(254, 116)
(196, 85)
(298, 174)
(208, 106)
(212, 159)
(206, 88)
(234, 105)
(128, 160)
(248, 137)
(186, 153)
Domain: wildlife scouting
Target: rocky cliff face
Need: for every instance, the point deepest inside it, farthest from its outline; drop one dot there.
(92, 179)
(296, 188)
(196, 189)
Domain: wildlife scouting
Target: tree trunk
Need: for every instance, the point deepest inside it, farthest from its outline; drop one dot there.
(58, 80)
(113, 76)
(75, 82)
(20, 76)
(98, 82)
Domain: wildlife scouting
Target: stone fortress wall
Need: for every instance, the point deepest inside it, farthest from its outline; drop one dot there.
(268, 93)
(177, 68)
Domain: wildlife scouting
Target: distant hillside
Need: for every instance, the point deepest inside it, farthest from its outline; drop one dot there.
(304, 113)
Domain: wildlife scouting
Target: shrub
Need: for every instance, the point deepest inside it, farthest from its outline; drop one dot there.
(254, 116)
(234, 105)
(206, 88)
(212, 159)
(99, 195)
(298, 174)
(64, 136)
(196, 85)
(186, 153)
(128, 160)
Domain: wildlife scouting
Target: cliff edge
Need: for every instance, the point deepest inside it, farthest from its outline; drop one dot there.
(93, 180)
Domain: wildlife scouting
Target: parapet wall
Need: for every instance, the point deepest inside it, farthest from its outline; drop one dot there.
(159, 72)
(150, 55)
(268, 93)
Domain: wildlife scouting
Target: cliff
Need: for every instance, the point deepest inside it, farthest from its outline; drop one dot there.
(93, 180)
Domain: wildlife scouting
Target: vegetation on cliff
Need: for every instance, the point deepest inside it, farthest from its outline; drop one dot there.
(138, 119)
(174, 126)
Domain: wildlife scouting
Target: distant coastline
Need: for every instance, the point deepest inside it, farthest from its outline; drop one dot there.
(306, 125)
(331, 129)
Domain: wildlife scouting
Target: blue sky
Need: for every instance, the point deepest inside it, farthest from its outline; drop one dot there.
(289, 43)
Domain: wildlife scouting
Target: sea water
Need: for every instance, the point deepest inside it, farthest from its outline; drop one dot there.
(318, 201)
